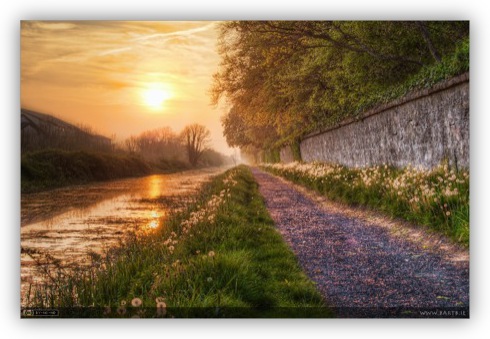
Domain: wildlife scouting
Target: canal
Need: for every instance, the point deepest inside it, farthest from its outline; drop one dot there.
(68, 225)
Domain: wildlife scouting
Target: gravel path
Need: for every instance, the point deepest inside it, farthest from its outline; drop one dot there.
(362, 269)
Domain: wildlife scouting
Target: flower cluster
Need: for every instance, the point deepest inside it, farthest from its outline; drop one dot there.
(136, 303)
(436, 190)
(206, 213)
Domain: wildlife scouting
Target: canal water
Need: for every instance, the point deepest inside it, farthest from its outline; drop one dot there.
(67, 225)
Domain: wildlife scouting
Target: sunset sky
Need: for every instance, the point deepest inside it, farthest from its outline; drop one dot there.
(122, 77)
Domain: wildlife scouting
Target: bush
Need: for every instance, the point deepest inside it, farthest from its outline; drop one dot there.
(55, 168)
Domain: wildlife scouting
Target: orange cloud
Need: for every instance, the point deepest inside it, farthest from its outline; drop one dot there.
(92, 72)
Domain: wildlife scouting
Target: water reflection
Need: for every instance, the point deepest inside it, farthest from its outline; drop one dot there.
(69, 223)
(155, 183)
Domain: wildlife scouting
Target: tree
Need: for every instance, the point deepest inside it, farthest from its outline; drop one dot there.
(283, 79)
(157, 144)
(131, 144)
(196, 139)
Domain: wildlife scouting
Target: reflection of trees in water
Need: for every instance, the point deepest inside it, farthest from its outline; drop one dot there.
(43, 205)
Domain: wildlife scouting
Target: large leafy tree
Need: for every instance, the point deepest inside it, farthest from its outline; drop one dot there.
(283, 79)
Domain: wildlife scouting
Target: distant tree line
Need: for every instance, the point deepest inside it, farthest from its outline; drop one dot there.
(165, 147)
(162, 147)
(284, 79)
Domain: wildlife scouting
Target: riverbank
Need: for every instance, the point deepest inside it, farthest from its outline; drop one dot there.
(50, 169)
(220, 257)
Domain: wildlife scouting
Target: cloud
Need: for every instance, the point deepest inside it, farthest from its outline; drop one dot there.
(97, 69)
(54, 25)
(115, 51)
(182, 33)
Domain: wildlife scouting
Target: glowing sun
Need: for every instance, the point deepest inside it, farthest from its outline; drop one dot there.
(154, 95)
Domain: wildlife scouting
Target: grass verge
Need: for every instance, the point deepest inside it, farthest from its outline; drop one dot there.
(49, 169)
(438, 199)
(221, 257)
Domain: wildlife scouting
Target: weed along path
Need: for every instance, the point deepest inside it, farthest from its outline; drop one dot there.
(366, 265)
(68, 226)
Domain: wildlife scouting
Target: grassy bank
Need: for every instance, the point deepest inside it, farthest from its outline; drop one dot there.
(438, 199)
(221, 257)
(56, 168)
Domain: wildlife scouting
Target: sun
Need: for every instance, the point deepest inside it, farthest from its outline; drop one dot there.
(155, 94)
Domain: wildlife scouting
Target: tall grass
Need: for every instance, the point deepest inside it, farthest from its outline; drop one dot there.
(438, 198)
(221, 257)
(47, 169)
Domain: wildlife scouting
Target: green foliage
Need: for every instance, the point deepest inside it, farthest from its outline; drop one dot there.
(171, 165)
(437, 199)
(295, 148)
(271, 156)
(428, 76)
(55, 168)
(210, 157)
(284, 79)
(222, 257)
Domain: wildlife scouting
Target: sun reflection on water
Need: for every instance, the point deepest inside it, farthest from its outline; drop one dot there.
(155, 186)
(153, 223)
(94, 218)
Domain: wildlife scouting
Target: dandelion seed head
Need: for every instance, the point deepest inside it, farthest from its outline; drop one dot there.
(136, 302)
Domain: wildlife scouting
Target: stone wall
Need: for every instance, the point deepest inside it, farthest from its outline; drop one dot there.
(423, 128)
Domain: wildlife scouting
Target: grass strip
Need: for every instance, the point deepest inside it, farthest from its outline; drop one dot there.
(221, 257)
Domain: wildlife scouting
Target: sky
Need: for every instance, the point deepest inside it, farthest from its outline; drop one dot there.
(122, 77)
(475, 10)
